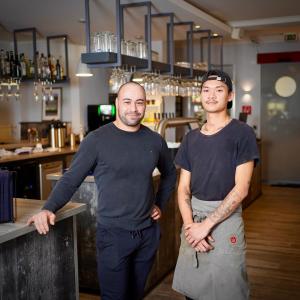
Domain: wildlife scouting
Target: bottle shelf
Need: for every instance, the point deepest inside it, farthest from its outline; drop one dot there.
(26, 79)
(30, 79)
(38, 67)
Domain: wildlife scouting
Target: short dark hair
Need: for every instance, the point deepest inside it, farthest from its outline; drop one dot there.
(221, 76)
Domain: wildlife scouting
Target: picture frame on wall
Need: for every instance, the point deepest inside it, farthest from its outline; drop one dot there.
(51, 104)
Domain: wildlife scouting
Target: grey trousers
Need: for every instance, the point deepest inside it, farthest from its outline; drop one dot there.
(219, 274)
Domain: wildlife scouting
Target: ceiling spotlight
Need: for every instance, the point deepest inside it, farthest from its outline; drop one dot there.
(197, 27)
(215, 34)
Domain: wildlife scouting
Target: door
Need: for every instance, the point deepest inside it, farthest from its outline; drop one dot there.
(280, 123)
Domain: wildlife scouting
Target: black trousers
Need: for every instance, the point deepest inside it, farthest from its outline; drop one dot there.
(124, 260)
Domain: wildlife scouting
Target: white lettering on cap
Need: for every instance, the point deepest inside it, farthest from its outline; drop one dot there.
(215, 77)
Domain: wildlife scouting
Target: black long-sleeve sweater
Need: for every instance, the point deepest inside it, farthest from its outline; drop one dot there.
(122, 164)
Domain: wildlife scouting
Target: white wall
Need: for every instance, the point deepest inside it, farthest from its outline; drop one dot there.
(240, 58)
(247, 80)
(93, 90)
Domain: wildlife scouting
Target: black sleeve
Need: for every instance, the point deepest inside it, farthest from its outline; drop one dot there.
(83, 162)
(168, 176)
(247, 148)
(182, 158)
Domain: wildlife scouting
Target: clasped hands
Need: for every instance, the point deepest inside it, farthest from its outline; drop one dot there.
(198, 236)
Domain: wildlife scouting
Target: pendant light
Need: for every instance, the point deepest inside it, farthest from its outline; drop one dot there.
(83, 71)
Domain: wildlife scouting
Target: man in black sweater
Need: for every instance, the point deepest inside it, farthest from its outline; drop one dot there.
(123, 155)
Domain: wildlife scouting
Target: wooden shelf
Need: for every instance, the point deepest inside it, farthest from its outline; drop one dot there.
(26, 79)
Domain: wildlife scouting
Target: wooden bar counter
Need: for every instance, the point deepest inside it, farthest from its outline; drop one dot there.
(38, 155)
(34, 266)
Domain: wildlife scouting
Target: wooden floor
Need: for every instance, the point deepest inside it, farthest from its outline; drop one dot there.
(273, 239)
(272, 226)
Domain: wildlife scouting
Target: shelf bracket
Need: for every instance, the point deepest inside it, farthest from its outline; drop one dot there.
(148, 36)
(170, 38)
(118, 62)
(209, 37)
(65, 38)
(189, 43)
(220, 37)
(33, 31)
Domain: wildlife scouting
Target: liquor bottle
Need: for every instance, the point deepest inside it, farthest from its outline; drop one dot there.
(62, 71)
(12, 64)
(46, 69)
(23, 65)
(2, 63)
(53, 64)
(58, 70)
(50, 68)
(17, 67)
(7, 65)
(27, 65)
(31, 69)
(39, 70)
(43, 66)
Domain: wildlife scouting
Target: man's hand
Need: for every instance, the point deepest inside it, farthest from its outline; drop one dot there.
(41, 221)
(198, 231)
(197, 235)
(204, 245)
(156, 213)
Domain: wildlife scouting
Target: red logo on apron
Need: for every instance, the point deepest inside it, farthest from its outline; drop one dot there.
(233, 239)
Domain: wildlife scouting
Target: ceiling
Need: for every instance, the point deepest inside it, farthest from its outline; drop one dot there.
(257, 18)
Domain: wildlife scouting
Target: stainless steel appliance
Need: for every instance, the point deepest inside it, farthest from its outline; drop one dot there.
(99, 115)
(57, 134)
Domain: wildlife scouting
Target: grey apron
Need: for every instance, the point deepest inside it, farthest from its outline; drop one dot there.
(219, 274)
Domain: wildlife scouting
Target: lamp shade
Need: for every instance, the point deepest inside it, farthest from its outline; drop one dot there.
(83, 71)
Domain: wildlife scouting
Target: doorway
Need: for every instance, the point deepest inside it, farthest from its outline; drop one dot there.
(280, 123)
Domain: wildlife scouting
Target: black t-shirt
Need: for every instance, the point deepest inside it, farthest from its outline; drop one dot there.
(212, 159)
(123, 163)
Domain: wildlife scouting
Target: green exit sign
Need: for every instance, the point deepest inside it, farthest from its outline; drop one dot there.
(290, 37)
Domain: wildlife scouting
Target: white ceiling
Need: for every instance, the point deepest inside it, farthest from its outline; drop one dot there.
(238, 10)
(52, 17)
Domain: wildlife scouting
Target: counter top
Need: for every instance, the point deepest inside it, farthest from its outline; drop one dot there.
(19, 157)
(19, 144)
(26, 208)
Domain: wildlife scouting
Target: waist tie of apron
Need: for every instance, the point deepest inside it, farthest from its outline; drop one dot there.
(201, 209)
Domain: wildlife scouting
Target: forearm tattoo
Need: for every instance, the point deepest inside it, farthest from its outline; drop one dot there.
(228, 205)
(188, 202)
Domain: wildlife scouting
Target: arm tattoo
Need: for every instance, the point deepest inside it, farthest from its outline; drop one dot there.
(188, 202)
(228, 205)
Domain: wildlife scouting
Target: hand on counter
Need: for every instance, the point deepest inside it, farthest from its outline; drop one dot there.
(156, 213)
(42, 220)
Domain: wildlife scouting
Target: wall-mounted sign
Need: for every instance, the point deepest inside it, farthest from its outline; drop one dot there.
(247, 109)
